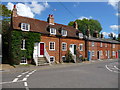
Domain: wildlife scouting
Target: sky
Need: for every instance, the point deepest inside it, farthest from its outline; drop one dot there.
(64, 12)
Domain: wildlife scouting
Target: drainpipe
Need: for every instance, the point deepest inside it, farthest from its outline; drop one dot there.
(59, 50)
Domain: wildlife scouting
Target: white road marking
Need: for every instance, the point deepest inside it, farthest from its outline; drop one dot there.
(116, 67)
(19, 76)
(15, 80)
(112, 68)
(10, 82)
(24, 79)
(25, 84)
(108, 68)
(27, 75)
(25, 72)
(32, 72)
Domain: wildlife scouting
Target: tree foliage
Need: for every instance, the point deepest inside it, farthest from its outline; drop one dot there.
(5, 25)
(85, 24)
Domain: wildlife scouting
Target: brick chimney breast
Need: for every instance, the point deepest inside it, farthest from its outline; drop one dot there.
(14, 11)
(75, 25)
(96, 34)
(88, 32)
(50, 19)
(102, 36)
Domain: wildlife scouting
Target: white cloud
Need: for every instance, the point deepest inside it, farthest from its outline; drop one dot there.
(107, 33)
(82, 17)
(115, 27)
(113, 3)
(117, 14)
(29, 10)
(10, 6)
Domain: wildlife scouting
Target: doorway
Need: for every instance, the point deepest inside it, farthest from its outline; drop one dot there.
(41, 54)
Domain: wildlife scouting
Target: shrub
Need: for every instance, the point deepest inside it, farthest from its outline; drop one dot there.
(69, 57)
(15, 45)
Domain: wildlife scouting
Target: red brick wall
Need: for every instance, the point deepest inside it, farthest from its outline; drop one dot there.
(104, 48)
(58, 46)
(95, 48)
(114, 49)
(55, 52)
(92, 48)
(69, 41)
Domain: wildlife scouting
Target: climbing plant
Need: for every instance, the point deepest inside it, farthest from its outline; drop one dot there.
(15, 45)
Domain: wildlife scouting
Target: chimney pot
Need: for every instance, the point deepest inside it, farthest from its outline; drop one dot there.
(14, 6)
(50, 19)
(75, 25)
(14, 11)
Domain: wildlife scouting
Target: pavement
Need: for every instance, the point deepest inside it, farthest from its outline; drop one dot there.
(21, 68)
(92, 74)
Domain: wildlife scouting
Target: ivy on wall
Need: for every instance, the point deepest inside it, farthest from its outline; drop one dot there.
(15, 45)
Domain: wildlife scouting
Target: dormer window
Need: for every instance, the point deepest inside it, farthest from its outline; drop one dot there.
(64, 33)
(53, 31)
(80, 35)
(25, 26)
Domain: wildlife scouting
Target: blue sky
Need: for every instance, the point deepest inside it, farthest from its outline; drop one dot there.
(64, 12)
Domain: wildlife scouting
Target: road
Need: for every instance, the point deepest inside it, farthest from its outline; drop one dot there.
(102, 74)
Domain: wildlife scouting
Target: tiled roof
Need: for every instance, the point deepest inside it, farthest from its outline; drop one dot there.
(41, 26)
(102, 40)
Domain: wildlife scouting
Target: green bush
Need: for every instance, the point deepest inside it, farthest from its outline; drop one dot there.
(15, 45)
(69, 57)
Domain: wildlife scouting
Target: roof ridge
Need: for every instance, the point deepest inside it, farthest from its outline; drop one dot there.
(47, 22)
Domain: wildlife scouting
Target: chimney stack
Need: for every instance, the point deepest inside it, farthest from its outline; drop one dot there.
(75, 25)
(96, 34)
(50, 19)
(102, 36)
(88, 32)
(14, 12)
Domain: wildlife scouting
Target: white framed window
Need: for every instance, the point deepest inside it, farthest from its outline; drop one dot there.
(106, 45)
(81, 47)
(52, 58)
(106, 53)
(51, 45)
(23, 44)
(81, 56)
(93, 44)
(101, 44)
(25, 27)
(53, 31)
(113, 53)
(80, 35)
(93, 53)
(101, 52)
(64, 46)
(63, 58)
(23, 60)
(113, 45)
(64, 33)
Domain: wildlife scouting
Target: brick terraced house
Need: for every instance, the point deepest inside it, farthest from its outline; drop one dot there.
(57, 39)
(100, 48)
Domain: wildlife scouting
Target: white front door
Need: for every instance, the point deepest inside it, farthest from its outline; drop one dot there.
(35, 52)
(72, 48)
(108, 54)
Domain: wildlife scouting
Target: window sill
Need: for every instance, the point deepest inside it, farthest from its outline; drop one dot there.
(64, 50)
(52, 49)
(24, 30)
(23, 49)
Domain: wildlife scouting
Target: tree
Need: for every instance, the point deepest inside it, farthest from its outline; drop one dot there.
(85, 24)
(5, 21)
